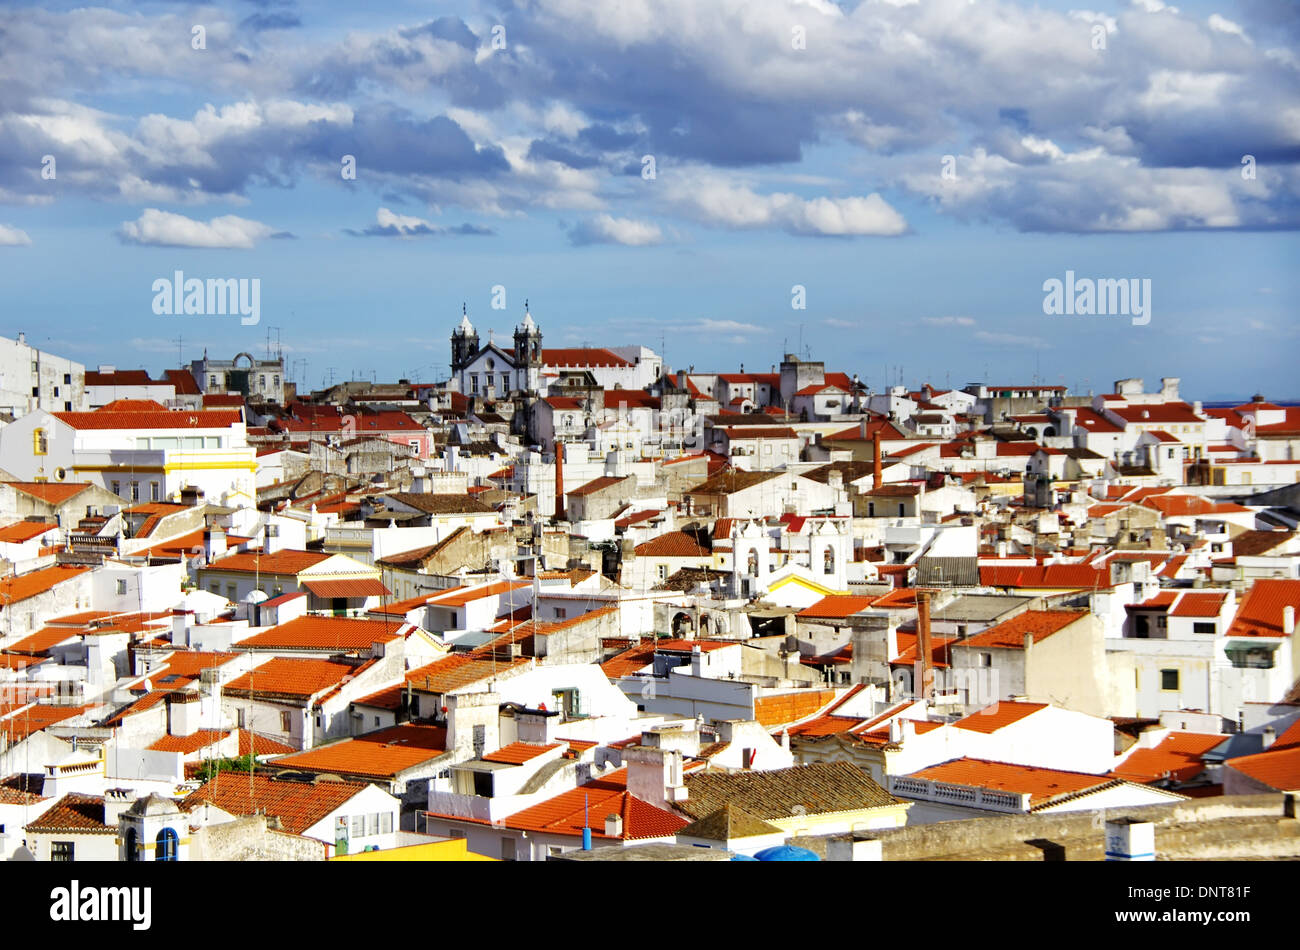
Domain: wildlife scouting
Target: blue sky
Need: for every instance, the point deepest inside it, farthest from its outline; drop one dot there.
(775, 166)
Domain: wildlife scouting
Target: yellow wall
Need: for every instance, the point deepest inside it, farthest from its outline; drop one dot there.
(450, 849)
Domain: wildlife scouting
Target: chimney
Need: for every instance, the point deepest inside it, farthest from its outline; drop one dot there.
(183, 713)
(876, 479)
(655, 775)
(180, 628)
(895, 730)
(216, 543)
(559, 481)
(1270, 735)
(116, 801)
(697, 661)
(925, 689)
(1029, 642)
(614, 826)
(1288, 619)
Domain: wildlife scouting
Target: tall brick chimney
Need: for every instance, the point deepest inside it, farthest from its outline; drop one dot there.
(925, 688)
(876, 478)
(559, 481)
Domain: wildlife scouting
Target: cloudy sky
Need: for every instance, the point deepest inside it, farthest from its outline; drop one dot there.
(663, 172)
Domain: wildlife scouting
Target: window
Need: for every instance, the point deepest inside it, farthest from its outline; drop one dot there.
(214, 587)
(231, 592)
(372, 824)
(473, 382)
(286, 721)
(901, 509)
(261, 382)
(1203, 626)
(212, 380)
(40, 442)
(154, 491)
(61, 851)
(121, 588)
(166, 845)
(505, 382)
(508, 849)
(386, 823)
(135, 491)
(275, 381)
(1169, 679)
(241, 717)
(985, 659)
(67, 378)
(480, 740)
(561, 613)
(358, 826)
(663, 572)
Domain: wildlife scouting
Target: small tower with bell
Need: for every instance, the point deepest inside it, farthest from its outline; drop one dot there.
(528, 353)
(464, 343)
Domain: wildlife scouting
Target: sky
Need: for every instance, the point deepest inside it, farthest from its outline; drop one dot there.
(887, 186)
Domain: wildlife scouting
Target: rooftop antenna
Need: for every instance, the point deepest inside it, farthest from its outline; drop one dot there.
(180, 355)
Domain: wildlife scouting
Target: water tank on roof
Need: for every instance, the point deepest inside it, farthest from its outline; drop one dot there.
(786, 852)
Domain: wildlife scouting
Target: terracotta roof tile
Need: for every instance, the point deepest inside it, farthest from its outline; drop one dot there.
(1177, 757)
(74, 812)
(517, 753)
(298, 805)
(315, 632)
(284, 676)
(1260, 612)
(1010, 634)
(379, 755)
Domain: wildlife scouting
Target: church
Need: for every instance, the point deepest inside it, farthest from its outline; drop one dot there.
(491, 372)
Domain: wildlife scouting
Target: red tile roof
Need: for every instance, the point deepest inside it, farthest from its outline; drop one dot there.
(360, 587)
(52, 493)
(1042, 785)
(1038, 624)
(1276, 768)
(1073, 576)
(284, 676)
(466, 595)
(379, 755)
(581, 356)
(279, 562)
(458, 671)
(189, 744)
(1177, 757)
(298, 805)
(76, 813)
(836, 607)
(587, 805)
(324, 633)
(186, 419)
(992, 718)
(1260, 612)
(629, 661)
(20, 588)
(672, 544)
(21, 531)
(517, 753)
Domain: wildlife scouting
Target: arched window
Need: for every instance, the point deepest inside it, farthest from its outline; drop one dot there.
(40, 442)
(166, 845)
(132, 845)
(753, 563)
(828, 561)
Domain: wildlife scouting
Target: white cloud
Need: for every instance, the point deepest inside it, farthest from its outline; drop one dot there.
(13, 237)
(1224, 25)
(606, 229)
(715, 201)
(1012, 339)
(948, 321)
(165, 229)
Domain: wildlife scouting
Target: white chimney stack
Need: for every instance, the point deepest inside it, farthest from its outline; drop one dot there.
(1270, 734)
(1288, 620)
(614, 826)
